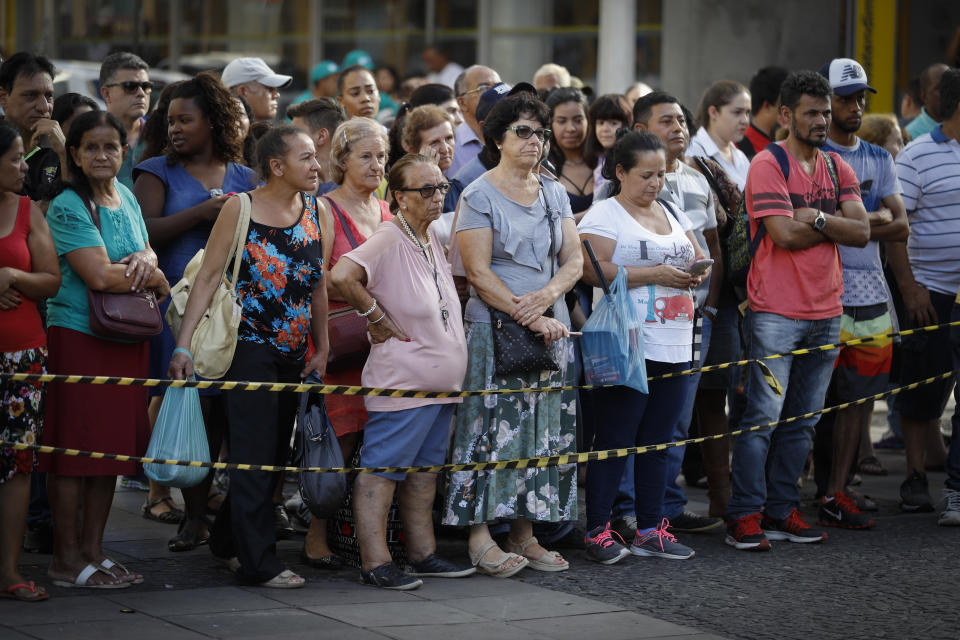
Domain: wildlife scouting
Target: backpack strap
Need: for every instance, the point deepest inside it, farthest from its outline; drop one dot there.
(781, 156)
(834, 176)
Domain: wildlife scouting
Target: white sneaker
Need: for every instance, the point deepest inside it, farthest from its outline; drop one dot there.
(950, 517)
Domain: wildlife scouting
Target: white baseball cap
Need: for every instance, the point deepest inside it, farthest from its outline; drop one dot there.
(846, 76)
(252, 70)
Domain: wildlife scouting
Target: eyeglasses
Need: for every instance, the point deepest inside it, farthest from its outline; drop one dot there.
(427, 191)
(483, 86)
(129, 86)
(524, 132)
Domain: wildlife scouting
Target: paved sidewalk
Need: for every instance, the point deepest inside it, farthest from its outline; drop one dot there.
(185, 595)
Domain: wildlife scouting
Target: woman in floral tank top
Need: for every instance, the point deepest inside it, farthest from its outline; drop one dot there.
(284, 300)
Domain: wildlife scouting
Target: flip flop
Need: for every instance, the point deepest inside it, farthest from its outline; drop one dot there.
(173, 515)
(110, 563)
(36, 594)
(81, 580)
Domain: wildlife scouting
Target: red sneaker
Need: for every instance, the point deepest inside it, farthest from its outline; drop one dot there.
(745, 534)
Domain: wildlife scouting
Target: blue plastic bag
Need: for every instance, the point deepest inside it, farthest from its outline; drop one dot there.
(179, 434)
(612, 341)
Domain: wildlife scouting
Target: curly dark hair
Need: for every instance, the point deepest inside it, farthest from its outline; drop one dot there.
(803, 83)
(219, 108)
(507, 111)
(154, 131)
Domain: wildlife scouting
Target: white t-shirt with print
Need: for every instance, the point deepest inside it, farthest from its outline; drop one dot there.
(667, 313)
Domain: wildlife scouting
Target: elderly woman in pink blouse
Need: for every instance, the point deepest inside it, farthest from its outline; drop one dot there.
(400, 280)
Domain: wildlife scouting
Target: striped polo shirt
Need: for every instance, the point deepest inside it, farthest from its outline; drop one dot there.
(929, 172)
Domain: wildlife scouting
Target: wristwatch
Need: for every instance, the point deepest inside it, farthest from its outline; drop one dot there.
(820, 221)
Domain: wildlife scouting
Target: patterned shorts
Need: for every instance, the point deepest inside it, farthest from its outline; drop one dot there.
(21, 410)
(864, 369)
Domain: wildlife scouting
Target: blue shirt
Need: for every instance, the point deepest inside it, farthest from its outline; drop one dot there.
(920, 125)
(863, 281)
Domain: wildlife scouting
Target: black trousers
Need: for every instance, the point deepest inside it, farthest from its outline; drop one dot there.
(259, 425)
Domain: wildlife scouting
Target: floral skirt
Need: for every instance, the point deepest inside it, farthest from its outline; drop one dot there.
(507, 427)
(21, 410)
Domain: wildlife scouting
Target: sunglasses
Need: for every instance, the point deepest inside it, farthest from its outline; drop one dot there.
(427, 191)
(483, 86)
(129, 86)
(524, 132)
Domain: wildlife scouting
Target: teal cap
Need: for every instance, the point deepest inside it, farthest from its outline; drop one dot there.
(323, 69)
(358, 56)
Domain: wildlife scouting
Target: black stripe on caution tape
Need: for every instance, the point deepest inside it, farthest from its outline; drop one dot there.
(523, 463)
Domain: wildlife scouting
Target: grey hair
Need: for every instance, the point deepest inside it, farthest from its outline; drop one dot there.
(346, 135)
(120, 60)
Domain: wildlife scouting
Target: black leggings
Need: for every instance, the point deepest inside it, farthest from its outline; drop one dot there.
(625, 418)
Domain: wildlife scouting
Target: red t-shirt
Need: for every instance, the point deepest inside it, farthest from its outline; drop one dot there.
(20, 328)
(805, 284)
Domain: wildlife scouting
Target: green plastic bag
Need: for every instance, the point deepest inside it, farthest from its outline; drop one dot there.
(179, 435)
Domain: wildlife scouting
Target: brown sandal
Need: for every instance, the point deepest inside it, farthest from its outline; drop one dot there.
(173, 515)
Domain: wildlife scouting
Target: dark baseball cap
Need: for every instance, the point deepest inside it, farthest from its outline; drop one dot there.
(498, 92)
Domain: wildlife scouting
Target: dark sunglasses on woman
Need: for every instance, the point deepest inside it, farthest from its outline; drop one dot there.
(427, 191)
(524, 132)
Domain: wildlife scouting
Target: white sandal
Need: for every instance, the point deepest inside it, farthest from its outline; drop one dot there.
(81, 580)
(496, 569)
(286, 579)
(548, 561)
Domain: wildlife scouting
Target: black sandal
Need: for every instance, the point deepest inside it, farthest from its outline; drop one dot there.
(331, 562)
(187, 540)
(173, 515)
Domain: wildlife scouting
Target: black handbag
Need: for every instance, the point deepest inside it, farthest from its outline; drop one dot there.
(517, 349)
(317, 446)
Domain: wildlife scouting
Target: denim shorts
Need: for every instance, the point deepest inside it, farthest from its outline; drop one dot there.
(407, 438)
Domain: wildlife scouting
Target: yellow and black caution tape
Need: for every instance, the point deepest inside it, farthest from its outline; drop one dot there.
(330, 389)
(523, 463)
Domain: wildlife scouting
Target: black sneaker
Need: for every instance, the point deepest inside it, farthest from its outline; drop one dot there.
(791, 528)
(281, 523)
(841, 511)
(433, 566)
(745, 534)
(915, 494)
(389, 576)
(602, 547)
(688, 522)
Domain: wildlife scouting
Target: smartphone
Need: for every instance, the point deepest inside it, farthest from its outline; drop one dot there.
(698, 267)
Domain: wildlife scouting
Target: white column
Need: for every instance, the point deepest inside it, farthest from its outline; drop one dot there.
(616, 55)
(316, 33)
(176, 30)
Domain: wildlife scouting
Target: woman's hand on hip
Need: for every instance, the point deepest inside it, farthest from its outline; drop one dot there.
(551, 329)
(531, 306)
(384, 330)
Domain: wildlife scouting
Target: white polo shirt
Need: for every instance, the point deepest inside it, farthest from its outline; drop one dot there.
(703, 145)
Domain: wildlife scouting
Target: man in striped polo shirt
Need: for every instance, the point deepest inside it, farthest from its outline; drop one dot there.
(929, 171)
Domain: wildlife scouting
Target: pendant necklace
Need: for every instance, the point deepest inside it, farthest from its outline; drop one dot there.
(444, 313)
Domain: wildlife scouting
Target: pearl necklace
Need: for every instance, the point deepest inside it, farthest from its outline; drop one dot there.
(406, 227)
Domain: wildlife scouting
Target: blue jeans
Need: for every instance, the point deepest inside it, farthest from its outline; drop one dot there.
(953, 459)
(674, 499)
(767, 463)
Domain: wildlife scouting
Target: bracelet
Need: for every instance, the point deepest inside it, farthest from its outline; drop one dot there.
(378, 319)
(369, 311)
(712, 310)
(183, 351)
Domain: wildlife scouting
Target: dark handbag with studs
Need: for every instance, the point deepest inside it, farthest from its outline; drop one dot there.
(517, 349)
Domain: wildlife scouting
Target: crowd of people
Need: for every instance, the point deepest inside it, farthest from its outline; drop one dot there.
(431, 236)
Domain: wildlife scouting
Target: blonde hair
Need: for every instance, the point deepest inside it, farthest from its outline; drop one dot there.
(876, 128)
(551, 69)
(348, 134)
(419, 120)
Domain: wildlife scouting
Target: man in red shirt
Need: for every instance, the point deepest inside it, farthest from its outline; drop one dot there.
(764, 107)
(803, 208)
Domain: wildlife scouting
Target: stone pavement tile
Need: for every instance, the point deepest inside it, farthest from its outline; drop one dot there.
(470, 631)
(60, 610)
(475, 586)
(695, 636)
(525, 606)
(393, 614)
(324, 593)
(10, 634)
(620, 625)
(147, 548)
(187, 601)
(289, 624)
(131, 626)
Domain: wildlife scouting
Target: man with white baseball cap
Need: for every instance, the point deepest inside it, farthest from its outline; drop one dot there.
(253, 80)
(861, 370)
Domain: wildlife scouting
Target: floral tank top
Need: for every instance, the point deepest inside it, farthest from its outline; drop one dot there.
(280, 269)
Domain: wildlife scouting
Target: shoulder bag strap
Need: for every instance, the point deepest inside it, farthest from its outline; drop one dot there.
(834, 177)
(550, 230)
(337, 211)
(240, 238)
